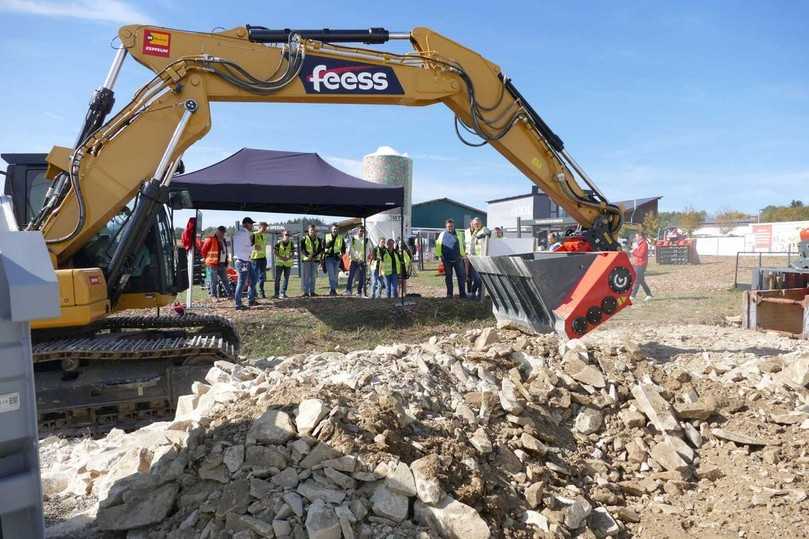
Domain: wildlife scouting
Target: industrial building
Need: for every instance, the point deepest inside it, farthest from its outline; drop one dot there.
(537, 210)
(434, 213)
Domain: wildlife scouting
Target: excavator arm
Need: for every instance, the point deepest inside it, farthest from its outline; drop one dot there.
(136, 151)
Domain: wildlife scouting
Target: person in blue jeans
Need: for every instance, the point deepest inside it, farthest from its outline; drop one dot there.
(334, 248)
(449, 247)
(242, 249)
(377, 280)
(390, 268)
(311, 251)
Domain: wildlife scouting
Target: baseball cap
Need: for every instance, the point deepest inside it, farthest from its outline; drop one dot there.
(247, 221)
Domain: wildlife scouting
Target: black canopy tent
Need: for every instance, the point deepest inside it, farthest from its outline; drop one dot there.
(281, 182)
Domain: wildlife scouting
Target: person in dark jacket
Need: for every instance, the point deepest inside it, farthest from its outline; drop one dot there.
(450, 248)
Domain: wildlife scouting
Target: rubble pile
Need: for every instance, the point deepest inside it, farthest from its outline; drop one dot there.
(478, 435)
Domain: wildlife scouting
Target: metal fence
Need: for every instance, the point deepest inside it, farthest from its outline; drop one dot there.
(759, 258)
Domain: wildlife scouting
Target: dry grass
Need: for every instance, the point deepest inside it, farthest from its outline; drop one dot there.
(701, 294)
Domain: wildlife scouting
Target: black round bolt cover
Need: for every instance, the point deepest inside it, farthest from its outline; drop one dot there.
(609, 304)
(580, 325)
(594, 315)
(620, 279)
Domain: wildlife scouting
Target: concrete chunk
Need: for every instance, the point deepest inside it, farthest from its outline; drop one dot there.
(428, 488)
(389, 504)
(144, 509)
(452, 519)
(321, 522)
(273, 427)
(666, 455)
(659, 412)
(400, 479)
(310, 412)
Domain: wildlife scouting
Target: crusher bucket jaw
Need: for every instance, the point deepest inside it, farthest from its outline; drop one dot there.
(569, 293)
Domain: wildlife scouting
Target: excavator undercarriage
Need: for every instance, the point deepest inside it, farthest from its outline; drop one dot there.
(125, 368)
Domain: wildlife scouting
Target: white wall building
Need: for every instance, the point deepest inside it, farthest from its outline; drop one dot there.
(755, 237)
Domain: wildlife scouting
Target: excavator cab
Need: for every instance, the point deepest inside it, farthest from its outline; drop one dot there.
(160, 268)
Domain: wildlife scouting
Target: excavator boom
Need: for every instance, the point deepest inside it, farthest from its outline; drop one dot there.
(136, 149)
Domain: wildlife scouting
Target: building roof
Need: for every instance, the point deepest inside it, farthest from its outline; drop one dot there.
(628, 204)
(515, 197)
(450, 201)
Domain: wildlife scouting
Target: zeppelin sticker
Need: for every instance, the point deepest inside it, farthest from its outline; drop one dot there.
(9, 402)
(156, 43)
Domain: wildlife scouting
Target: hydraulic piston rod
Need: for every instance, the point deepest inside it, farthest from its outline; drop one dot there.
(371, 36)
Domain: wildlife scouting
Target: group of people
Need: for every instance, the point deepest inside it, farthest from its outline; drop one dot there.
(390, 263)
(452, 247)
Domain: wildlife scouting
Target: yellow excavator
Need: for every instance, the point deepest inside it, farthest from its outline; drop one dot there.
(105, 222)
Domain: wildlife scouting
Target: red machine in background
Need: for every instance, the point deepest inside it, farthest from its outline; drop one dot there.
(674, 247)
(779, 298)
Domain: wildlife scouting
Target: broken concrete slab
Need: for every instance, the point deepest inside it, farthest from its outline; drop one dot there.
(273, 427)
(452, 519)
(657, 409)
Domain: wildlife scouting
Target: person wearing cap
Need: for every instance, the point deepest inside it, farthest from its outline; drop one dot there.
(242, 249)
(284, 256)
(311, 250)
(334, 247)
(258, 257)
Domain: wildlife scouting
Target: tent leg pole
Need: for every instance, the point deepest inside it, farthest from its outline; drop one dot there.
(364, 259)
(402, 239)
(189, 295)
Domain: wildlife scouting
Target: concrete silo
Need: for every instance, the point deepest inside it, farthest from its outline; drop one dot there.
(389, 167)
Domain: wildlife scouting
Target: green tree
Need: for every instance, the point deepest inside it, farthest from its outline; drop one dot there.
(690, 219)
(650, 224)
(796, 211)
(727, 218)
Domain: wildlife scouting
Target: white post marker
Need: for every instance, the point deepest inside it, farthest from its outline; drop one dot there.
(28, 291)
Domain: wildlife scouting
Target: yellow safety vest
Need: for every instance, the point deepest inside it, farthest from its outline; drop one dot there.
(337, 247)
(359, 249)
(311, 248)
(459, 236)
(391, 265)
(259, 246)
(285, 251)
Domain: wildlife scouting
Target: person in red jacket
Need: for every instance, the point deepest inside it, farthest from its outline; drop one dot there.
(639, 259)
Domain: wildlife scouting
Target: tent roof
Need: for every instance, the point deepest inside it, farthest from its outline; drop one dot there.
(282, 182)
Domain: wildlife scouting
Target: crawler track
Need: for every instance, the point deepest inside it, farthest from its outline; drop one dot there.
(125, 370)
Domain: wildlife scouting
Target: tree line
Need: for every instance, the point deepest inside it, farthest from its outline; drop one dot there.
(689, 219)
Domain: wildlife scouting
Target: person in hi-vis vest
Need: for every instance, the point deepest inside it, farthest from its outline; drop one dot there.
(284, 255)
(258, 257)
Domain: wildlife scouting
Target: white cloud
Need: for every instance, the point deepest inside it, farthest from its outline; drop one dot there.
(116, 11)
(349, 166)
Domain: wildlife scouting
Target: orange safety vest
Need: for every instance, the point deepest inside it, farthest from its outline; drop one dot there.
(212, 254)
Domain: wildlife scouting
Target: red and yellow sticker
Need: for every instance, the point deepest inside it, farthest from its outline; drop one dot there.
(156, 43)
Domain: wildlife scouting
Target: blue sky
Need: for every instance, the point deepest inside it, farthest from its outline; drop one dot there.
(703, 103)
